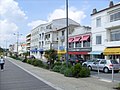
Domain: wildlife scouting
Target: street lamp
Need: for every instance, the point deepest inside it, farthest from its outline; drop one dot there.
(67, 32)
(17, 34)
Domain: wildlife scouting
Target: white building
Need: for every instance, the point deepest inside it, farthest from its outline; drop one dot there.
(28, 41)
(106, 32)
(80, 42)
(22, 48)
(45, 36)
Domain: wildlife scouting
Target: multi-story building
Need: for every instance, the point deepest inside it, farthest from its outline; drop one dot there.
(28, 41)
(80, 42)
(106, 32)
(45, 36)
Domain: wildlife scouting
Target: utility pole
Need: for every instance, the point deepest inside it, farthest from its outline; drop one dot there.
(17, 35)
(67, 32)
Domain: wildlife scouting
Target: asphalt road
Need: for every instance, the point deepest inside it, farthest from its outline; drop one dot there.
(107, 76)
(14, 78)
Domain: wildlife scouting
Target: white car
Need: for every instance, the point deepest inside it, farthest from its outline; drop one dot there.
(104, 65)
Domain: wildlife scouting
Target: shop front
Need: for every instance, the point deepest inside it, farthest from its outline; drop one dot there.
(112, 53)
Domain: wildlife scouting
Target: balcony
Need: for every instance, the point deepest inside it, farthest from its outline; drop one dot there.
(87, 49)
(112, 25)
(112, 44)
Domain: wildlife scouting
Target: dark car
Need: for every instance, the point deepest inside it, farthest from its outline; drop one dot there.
(75, 60)
(32, 57)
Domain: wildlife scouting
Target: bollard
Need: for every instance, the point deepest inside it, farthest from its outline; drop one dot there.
(98, 69)
(112, 74)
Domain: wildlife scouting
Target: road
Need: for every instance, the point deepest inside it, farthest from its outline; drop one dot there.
(14, 78)
(107, 76)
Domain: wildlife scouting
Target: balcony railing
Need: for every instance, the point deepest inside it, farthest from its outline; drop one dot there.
(88, 49)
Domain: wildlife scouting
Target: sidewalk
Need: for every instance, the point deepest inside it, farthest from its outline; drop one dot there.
(65, 83)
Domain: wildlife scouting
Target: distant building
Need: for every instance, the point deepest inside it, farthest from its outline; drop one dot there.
(28, 42)
(22, 48)
(106, 32)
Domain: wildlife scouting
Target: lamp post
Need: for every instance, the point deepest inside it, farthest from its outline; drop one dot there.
(17, 35)
(67, 32)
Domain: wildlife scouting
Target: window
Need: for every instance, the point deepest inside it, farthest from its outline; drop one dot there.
(71, 45)
(77, 44)
(103, 62)
(115, 17)
(98, 40)
(63, 33)
(86, 44)
(98, 22)
(115, 35)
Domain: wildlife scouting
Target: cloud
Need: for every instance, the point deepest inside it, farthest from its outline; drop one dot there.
(34, 24)
(11, 16)
(10, 10)
(73, 13)
(6, 30)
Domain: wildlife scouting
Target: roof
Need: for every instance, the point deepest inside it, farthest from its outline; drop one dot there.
(106, 9)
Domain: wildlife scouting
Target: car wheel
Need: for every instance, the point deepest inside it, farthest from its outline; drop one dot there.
(106, 70)
(89, 67)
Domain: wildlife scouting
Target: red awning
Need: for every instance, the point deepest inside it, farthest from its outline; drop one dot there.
(82, 53)
(76, 39)
(70, 39)
(85, 38)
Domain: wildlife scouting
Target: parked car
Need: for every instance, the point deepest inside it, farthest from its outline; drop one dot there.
(74, 60)
(32, 57)
(104, 65)
(86, 63)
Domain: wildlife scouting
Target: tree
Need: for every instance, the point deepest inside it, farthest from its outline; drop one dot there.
(51, 55)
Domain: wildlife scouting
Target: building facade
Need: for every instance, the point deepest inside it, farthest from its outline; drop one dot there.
(46, 36)
(106, 32)
(80, 42)
(28, 41)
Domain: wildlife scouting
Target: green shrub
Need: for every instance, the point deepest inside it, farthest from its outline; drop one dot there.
(29, 61)
(76, 69)
(68, 72)
(84, 72)
(117, 87)
(40, 63)
(56, 68)
(35, 62)
(56, 63)
(46, 66)
(63, 68)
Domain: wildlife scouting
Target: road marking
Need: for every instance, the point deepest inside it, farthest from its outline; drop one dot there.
(105, 80)
(49, 83)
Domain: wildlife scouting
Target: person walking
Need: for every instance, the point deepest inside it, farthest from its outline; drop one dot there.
(2, 62)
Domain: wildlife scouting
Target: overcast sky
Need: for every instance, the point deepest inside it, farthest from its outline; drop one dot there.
(23, 15)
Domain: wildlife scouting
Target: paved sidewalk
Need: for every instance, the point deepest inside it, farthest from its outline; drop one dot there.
(58, 80)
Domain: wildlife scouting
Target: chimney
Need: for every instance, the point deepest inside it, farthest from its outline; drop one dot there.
(94, 11)
(111, 4)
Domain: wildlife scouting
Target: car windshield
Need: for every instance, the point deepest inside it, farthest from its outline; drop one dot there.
(114, 62)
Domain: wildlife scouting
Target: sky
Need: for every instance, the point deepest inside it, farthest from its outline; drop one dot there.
(23, 15)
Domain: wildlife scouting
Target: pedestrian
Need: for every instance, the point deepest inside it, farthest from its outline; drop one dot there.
(2, 62)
